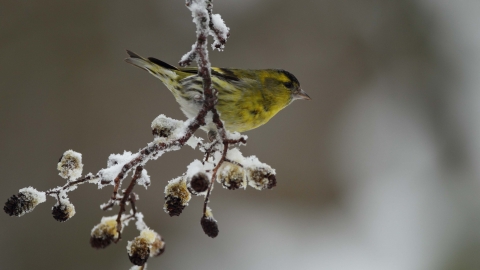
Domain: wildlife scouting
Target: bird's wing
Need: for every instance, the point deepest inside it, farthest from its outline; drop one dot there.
(222, 73)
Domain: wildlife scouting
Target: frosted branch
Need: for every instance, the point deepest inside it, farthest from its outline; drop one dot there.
(220, 162)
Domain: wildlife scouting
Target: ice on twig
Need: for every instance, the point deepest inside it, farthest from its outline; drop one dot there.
(144, 179)
(194, 141)
(140, 224)
(94, 179)
(114, 166)
(220, 32)
(166, 127)
(189, 57)
(195, 167)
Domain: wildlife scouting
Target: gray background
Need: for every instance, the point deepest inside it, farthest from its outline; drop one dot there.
(379, 171)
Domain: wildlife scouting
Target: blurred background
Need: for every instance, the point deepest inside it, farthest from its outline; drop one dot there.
(379, 171)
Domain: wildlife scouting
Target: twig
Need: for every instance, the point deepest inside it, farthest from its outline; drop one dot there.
(214, 175)
(57, 190)
(126, 196)
(233, 162)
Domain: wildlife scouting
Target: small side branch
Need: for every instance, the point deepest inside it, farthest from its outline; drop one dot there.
(126, 197)
(214, 175)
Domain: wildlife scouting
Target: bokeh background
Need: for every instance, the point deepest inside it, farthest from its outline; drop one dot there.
(379, 171)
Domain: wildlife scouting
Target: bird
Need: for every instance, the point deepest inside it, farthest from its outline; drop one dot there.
(247, 98)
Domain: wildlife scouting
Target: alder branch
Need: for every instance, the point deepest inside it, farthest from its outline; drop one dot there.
(223, 164)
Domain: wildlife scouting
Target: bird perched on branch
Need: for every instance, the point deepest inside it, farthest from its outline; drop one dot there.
(247, 98)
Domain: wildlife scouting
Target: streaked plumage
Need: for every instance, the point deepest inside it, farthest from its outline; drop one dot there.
(247, 98)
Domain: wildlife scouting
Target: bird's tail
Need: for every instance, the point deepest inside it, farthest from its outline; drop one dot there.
(165, 72)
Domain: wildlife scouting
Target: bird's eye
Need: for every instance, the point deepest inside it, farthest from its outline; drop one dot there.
(288, 84)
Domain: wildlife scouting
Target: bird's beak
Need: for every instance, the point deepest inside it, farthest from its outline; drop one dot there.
(300, 94)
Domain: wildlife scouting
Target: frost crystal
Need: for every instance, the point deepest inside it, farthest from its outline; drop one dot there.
(195, 167)
(70, 165)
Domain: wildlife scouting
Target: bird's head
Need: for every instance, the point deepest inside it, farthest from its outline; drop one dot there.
(289, 83)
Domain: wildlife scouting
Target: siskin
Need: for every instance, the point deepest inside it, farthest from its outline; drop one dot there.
(247, 98)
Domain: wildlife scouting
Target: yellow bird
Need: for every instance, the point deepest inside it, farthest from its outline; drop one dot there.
(247, 98)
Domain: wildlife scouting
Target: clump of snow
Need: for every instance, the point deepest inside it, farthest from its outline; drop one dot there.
(94, 179)
(115, 164)
(71, 188)
(194, 141)
(222, 32)
(33, 195)
(144, 179)
(149, 235)
(189, 56)
(198, 9)
(140, 224)
(70, 165)
(237, 136)
(234, 154)
(141, 267)
(168, 128)
(195, 167)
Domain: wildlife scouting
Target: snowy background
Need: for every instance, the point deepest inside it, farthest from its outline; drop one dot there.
(380, 171)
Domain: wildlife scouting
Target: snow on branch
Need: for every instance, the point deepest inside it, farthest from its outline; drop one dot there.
(222, 162)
